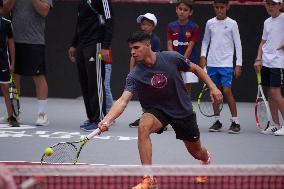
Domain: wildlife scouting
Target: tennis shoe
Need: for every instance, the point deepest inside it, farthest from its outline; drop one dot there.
(270, 130)
(216, 127)
(146, 183)
(4, 119)
(279, 132)
(42, 119)
(135, 123)
(85, 124)
(235, 128)
(203, 179)
(91, 127)
(13, 122)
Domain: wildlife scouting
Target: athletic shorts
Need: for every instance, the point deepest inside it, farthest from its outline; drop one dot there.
(221, 75)
(4, 71)
(189, 77)
(185, 128)
(272, 77)
(30, 59)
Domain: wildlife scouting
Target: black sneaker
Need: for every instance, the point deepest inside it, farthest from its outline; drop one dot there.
(134, 124)
(216, 127)
(13, 122)
(234, 128)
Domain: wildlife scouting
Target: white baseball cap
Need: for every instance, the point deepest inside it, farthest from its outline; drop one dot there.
(149, 16)
(278, 1)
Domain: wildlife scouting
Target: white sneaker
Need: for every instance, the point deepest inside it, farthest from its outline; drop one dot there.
(270, 130)
(42, 119)
(280, 132)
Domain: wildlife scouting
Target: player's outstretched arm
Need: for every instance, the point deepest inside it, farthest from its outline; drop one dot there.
(258, 61)
(116, 110)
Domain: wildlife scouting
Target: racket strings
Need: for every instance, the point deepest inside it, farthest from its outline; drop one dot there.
(62, 153)
(206, 105)
(262, 113)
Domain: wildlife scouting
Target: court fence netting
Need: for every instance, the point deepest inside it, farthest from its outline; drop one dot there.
(127, 176)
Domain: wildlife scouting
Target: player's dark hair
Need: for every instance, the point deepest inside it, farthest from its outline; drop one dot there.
(188, 3)
(138, 36)
(222, 1)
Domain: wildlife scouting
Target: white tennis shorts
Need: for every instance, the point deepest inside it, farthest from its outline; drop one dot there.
(189, 77)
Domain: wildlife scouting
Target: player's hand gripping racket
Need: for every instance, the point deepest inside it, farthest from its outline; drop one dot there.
(67, 152)
(14, 96)
(261, 109)
(205, 104)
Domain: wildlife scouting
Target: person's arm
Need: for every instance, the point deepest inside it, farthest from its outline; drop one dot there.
(115, 111)
(238, 46)
(108, 30)
(11, 46)
(258, 61)
(41, 7)
(7, 7)
(169, 40)
(204, 46)
(215, 93)
(194, 39)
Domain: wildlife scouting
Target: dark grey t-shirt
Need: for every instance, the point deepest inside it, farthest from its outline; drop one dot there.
(161, 86)
(28, 25)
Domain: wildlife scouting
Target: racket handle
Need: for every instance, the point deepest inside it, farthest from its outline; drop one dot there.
(258, 76)
(94, 133)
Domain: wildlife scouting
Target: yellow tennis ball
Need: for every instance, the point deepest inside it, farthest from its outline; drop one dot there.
(48, 151)
(100, 56)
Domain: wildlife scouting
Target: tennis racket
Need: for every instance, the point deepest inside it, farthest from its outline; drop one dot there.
(205, 104)
(14, 96)
(261, 109)
(67, 152)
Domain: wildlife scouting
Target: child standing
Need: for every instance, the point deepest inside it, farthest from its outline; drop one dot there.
(7, 67)
(182, 35)
(270, 60)
(222, 33)
(147, 22)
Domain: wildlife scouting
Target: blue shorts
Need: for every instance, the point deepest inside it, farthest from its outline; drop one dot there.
(221, 75)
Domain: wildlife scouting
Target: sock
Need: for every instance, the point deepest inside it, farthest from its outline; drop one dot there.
(42, 106)
(236, 120)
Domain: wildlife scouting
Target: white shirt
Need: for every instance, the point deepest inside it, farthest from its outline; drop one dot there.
(222, 35)
(273, 34)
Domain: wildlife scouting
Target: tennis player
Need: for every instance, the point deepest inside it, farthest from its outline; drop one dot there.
(7, 66)
(270, 59)
(162, 94)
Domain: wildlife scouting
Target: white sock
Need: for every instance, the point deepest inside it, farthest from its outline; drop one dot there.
(42, 104)
(236, 120)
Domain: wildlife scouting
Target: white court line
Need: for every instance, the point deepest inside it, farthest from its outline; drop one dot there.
(5, 126)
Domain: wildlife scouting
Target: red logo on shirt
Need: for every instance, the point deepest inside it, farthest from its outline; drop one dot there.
(159, 81)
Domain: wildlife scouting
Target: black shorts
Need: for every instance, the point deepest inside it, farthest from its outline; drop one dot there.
(4, 71)
(272, 77)
(185, 128)
(30, 59)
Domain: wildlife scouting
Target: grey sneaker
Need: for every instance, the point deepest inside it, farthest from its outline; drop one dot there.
(216, 127)
(234, 128)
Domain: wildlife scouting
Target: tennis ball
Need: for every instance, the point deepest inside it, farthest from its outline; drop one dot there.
(48, 151)
(100, 56)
